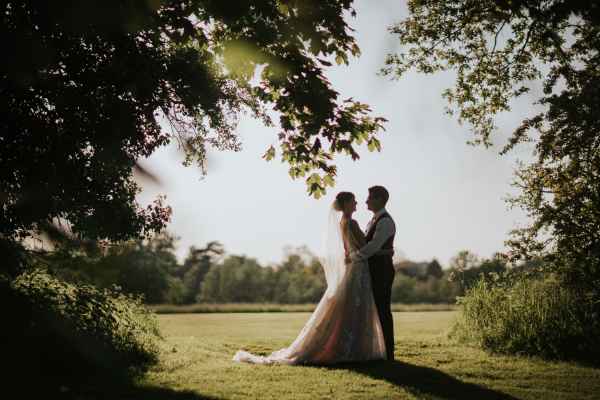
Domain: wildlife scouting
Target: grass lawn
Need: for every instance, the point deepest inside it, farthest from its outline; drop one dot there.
(197, 364)
(268, 307)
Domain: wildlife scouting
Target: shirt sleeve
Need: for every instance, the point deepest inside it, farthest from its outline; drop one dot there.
(384, 229)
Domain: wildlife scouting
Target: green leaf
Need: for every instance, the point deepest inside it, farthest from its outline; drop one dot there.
(269, 154)
(316, 190)
(374, 144)
(314, 179)
(283, 8)
(341, 58)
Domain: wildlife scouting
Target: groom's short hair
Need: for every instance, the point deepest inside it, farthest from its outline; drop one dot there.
(380, 192)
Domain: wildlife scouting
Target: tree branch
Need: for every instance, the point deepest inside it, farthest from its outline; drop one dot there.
(496, 35)
(520, 51)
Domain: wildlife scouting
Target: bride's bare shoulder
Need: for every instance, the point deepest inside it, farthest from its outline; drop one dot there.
(352, 226)
(349, 223)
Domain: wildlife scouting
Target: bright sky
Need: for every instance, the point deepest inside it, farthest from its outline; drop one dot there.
(445, 195)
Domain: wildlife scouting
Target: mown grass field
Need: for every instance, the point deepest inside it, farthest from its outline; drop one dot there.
(196, 364)
(268, 307)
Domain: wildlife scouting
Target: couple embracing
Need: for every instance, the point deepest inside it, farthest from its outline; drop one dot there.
(353, 320)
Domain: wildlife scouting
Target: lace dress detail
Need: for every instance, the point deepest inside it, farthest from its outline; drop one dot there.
(344, 327)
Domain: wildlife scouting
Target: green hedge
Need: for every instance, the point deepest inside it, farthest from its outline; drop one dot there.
(531, 316)
(65, 332)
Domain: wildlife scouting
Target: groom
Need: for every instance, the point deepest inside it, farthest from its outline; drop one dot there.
(380, 234)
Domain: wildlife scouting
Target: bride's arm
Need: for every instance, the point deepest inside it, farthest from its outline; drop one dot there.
(360, 239)
(357, 234)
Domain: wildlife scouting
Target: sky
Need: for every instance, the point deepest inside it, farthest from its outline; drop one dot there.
(445, 195)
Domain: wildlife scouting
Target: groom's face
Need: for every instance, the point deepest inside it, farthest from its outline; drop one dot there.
(370, 202)
(373, 203)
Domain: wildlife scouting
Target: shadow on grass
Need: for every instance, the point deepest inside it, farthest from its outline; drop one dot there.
(109, 390)
(144, 392)
(423, 380)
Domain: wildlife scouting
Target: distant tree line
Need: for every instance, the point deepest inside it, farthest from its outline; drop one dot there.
(206, 275)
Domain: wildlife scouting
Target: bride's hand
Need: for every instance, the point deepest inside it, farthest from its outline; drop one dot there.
(347, 258)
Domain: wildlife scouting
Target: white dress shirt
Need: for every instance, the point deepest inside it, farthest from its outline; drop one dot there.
(383, 231)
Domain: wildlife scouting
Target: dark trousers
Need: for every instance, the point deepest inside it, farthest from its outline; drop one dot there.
(382, 277)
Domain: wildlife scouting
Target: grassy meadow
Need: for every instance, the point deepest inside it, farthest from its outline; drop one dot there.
(276, 307)
(196, 364)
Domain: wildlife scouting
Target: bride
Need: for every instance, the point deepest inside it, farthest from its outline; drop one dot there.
(344, 326)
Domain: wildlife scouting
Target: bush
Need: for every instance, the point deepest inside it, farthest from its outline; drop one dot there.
(412, 290)
(532, 316)
(63, 332)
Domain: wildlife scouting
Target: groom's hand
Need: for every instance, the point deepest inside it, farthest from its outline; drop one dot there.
(356, 256)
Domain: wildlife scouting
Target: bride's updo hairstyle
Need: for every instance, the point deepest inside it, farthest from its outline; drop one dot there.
(341, 199)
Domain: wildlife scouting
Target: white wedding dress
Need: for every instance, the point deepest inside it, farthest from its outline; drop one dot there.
(345, 326)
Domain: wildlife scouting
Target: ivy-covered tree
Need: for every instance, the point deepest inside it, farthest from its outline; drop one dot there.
(498, 50)
(434, 269)
(85, 86)
(195, 267)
